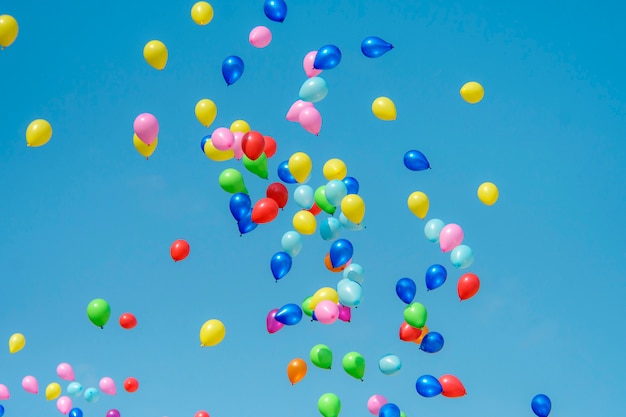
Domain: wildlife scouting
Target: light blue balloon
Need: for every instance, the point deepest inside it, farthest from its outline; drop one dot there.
(74, 389)
(432, 229)
(304, 196)
(313, 90)
(350, 225)
(292, 243)
(330, 228)
(335, 192)
(354, 272)
(350, 292)
(389, 364)
(462, 256)
(92, 395)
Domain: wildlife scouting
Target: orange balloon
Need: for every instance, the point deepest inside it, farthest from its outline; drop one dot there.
(296, 370)
(329, 265)
(424, 333)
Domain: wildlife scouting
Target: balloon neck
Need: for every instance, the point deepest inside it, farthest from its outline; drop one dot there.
(101, 327)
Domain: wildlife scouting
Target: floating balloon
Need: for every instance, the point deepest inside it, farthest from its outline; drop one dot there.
(341, 252)
(8, 30)
(409, 333)
(315, 210)
(329, 405)
(284, 174)
(418, 204)
(264, 211)
(353, 207)
(415, 314)
(375, 402)
(428, 386)
(232, 69)
(17, 341)
(38, 132)
(53, 390)
(107, 385)
(352, 185)
(246, 225)
(275, 10)
(201, 413)
(296, 370)
(270, 146)
(113, 413)
(291, 243)
(206, 111)
(4, 392)
(232, 182)
(472, 92)
(179, 250)
(305, 306)
(311, 120)
(335, 191)
(406, 290)
(349, 225)
(416, 161)
(541, 405)
(300, 166)
(222, 138)
(488, 193)
(260, 36)
(374, 47)
(307, 64)
(253, 144)
(452, 386)
(304, 222)
(450, 237)
(389, 364)
(30, 384)
(435, 276)
(146, 127)
(99, 311)
(328, 264)
(327, 57)
(293, 114)
(421, 337)
(389, 410)
(65, 371)
(76, 412)
(462, 257)
(236, 148)
(240, 205)
(335, 169)
(384, 109)
(326, 312)
(313, 90)
(354, 272)
(432, 342)
(75, 389)
(345, 313)
(239, 126)
(468, 286)
(212, 332)
(155, 54)
(321, 356)
(289, 314)
(354, 365)
(325, 293)
(271, 324)
(91, 395)
(213, 153)
(64, 404)
(202, 13)
(280, 265)
(279, 193)
(145, 150)
(330, 228)
(432, 229)
(131, 384)
(321, 200)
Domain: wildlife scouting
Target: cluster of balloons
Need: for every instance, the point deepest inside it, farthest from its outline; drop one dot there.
(145, 137)
(99, 312)
(446, 385)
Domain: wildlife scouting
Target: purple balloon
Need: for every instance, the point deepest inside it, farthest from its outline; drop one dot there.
(113, 413)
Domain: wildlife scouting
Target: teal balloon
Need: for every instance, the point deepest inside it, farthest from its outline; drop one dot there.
(335, 191)
(347, 224)
(321, 200)
(74, 389)
(313, 90)
(462, 256)
(389, 364)
(291, 243)
(304, 196)
(91, 395)
(432, 229)
(330, 228)
(350, 292)
(415, 315)
(354, 272)
(257, 166)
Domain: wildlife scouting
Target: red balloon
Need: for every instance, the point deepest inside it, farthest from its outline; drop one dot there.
(253, 144)
(278, 192)
(131, 384)
(452, 387)
(468, 286)
(128, 321)
(270, 146)
(409, 333)
(264, 211)
(315, 209)
(201, 414)
(179, 250)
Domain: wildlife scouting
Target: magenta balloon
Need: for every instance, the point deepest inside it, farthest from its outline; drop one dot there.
(146, 127)
(113, 413)
(271, 323)
(450, 237)
(345, 313)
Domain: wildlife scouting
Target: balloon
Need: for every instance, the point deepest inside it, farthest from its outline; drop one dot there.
(432, 342)
(415, 314)
(206, 111)
(468, 286)
(4, 392)
(450, 237)
(334, 192)
(305, 306)
(293, 114)
(353, 207)
(240, 205)
(432, 229)
(335, 169)
(246, 225)
(326, 312)
(304, 222)
(435, 276)
(232, 69)
(65, 371)
(384, 108)
(418, 204)
(300, 166)
(30, 384)
(75, 389)
(264, 211)
(373, 47)
(488, 193)
(313, 90)
(8, 30)
(345, 313)
(53, 390)
(321, 201)
(222, 138)
(428, 386)
(472, 92)
(296, 370)
(99, 311)
(327, 57)
(541, 405)
(354, 272)
(232, 182)
(236, 148)
(352, 185)
(409, 333)
(452, 386)
(350, 292)
(341, 251)
(421, 337)
(330, 228)
(347, 224)
(146, 128)
(462, 257)
(416, 161)
(284, 174)
(389, 364)
(260, 37)
(375, 402)
(215, 154)
(275, 10)
(330, 266)
(17, 341)
(329, 405)
(257, 166)
(202, 13)
(311, 120)
(280, 265)
(179, 250)
(239, 126)
(307, 64)
(289, 314)
(201, 413)
(91, 395)
(354, 365)
(212, 332)
(64, 404)
(113, 413)
(253, 144)
(291, 243)
(315, 210)
(131, 384)
(325, 293)
(38, 133)
(76, 412)
(155, 54)
(271, 323)
(145, 150)
(278, 192)
(321, 356)
(270, 146)
(406, 290)
(389, 410)
(107, 385)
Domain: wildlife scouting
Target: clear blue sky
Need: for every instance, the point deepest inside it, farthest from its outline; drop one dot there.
(85, 216)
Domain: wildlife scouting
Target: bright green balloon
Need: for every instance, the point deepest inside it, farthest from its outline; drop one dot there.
(402, 414)
(354, 364)
(415, 315)
(322, 202)
(305, 306)
(321, 356)
(231, 181)
(99, 312)
(329, 405)
(258, 166)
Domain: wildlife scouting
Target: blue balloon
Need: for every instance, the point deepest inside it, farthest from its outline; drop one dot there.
(462, 256)
(432, 342)
(327, 57)
(313, 90)
(275, 10)
(246, 225)
(91, 395)
(428, 386)
(75, 389)
(373, 47)
(435, 276)
(416, 161)
(280, 264)
(541, 405)
(389, 410)
(204, 141)
(1, 410)
(406, 289)
(232, 69)
(289, 314)
(330, 228)
(341, 251)
(76, 412)
(352, 185)
(284, 174)
(240, 205)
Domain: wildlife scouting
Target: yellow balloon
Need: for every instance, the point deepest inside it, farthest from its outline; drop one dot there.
(8, 30)
(240, 126)
(206, 111)
(304, 222)
(326, 293)
(215, 154)
(202, 13)
(212, 332)
(300, 165)
(472, 92)
(145, 150)
(17, 342)
(418, 204)
(155, 54)
(488, 193)
(335, 169)
(53, 391)
(353, 207)
(38, 133)
(384, 108)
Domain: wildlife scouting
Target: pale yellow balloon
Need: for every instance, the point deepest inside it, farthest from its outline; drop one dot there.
(8, 30)
(325, 293)
(472, 92)
(488, 193)
(215, 154)
(206, 112)
(300, 166)
(202, 13)
(145, 150)
(155, 54)
(335, 169)
(418, 204)
(240, 126)
(304, 222)
(38, 133)
(17, 341)
(53, 391)
(384, 108)
(353, 207)
(212, 332)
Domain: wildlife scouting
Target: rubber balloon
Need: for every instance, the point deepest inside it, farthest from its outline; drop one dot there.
(324, 293)
(17, 341)
(270, 146)
(307, 64)
(311, 120)
(326, 312)
(428, 386)
(329, 405)
(76, 412)
(468, 286)
(91, 395)
(352, 185)
(374, 47)
(327, 57)
(348, 225)
(296, 370)
(246, 225)
(435, 276)
(406, 290)
(8, 30)
(284, 174)
(300, 166)
(213, 153)
(354, 272)
(155, 54)
(280, 265)
(341, 252)
(354, 365)
(232, 182)
(304, 222)
(131, 384)
(432, 229)
(330, 228)
(328, 264)
(206, 111)
(488, 193)
(279, 193)
(253, 144)
(260, 36)
(389, 364)
(202, 13)
(240, 205)
(30, 384)
(75, 389)
(421, 337)
(239, 126)
(98, 311)
(389, 410)
(462, 257)
(64, 404)
(432, 342)
(335, 191)
(418, 204)
(232, 69)
(415, 314)
(313, 90)
(416, 161)
(335, 169)
(113, 413)
(38, 133)
(272, 325)
(236, 148)
(472, 92)
(293, 114)
(146, 127)
(409, 333)
(450, 237)
(452, 386)
(321, 356)
(107, 385)
(65, 371)
(212, 332)
(145, 150)
(179, 250)
(541, 405)
(201, 413)
(375, 402)
(305, 306)
(289, 314)
(4, 392)
(275, 10)
(53, 390)
(264, 211)
(291, 243)
(222, 138)
(384, 108)
(345, 313)
(353, 207)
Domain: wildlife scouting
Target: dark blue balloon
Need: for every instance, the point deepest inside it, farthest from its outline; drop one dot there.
(541, 405)
(280, 264)
(313, 318)
(341, 251)
(373, 47)
(289, 314)
(284, 174)
(428, 386)
(246, 225)
(435, 276)
(1, 410)
(352, 185)
(204, 141)
(389, 410)
(432, 342)
(416, 161)
(240, 205)
(406, 289)
(275, 10)
(76, 412)
(232, 69)
(327, 57)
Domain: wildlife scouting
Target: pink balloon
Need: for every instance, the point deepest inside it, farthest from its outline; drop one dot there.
(146, 128)
(65, 371)
(4, 392)
(222, 138)
(260, 37)
(375, 403)
(345, 313)
(293, 115)
(237, 145)
(64, 404)
(113, 413)
(271, 323)
(29, 383)
(107, 386)
(450, 237)
(311, 120)
(326, 312)
(307, 64)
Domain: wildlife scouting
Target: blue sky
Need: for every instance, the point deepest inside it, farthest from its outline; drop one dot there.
(85, 216)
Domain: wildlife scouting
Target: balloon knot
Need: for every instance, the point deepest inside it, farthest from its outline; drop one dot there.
(101, 327)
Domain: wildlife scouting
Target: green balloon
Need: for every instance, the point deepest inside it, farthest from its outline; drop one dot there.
(258, 166)
(322, 202)
(321, 356)
(402, 414)
(354, 364)
(99, 312)
(305, 306)
(415, 315)
(329, 405)
(231, 181)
